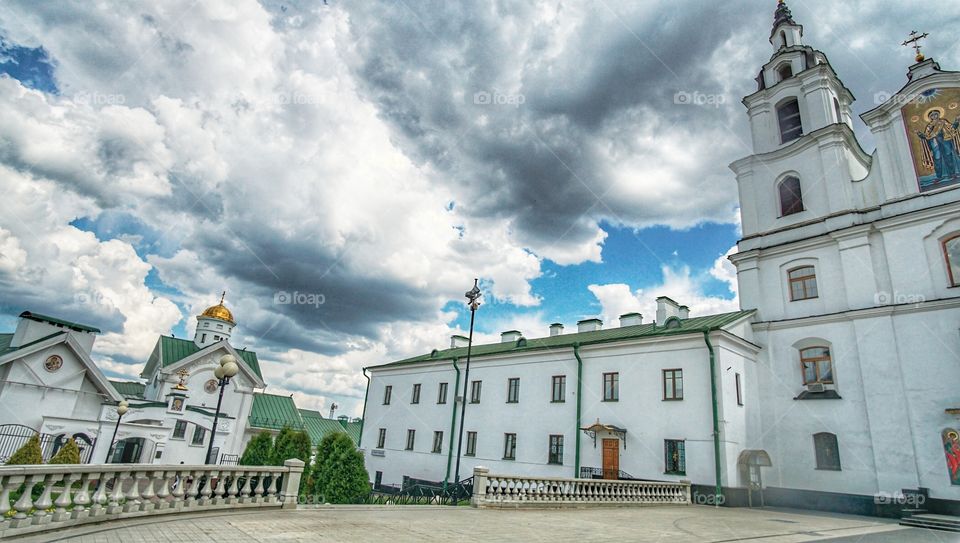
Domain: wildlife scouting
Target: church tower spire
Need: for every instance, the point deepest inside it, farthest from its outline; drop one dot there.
(786, 32)
(215, 324)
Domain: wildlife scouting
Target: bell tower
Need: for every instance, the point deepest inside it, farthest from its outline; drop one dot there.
(215, 324)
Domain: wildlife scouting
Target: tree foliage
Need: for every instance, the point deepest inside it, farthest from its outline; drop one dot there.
(259, 451)
(293, 444)
(339, 473)
(29, 453)
(68, 454)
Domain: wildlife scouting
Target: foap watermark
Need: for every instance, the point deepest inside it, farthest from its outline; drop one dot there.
(913, 499)
(282, 297)
(99, 98)
(90, 298)
(299, 99)
(697, 98)
(882, 97)
(496, 98)
(698, 498)
(896, 297)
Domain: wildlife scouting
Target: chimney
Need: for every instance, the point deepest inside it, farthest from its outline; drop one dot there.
(630, 319)
(666, 308)
(458, 341)
(343, 420)
(556, 329)
(684, 312)
(510, 336)
(589, 325)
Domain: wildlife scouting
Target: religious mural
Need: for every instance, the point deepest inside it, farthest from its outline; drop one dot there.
(932, 120)
(951, 448)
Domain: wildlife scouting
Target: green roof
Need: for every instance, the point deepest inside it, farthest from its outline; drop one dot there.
(318, 426)
(173, 350)
(274, 412)
(686, 326)
(60, 322)
(129, 389)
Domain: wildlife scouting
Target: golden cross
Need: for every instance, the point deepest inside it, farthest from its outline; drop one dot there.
(914, 42)
(222, 296)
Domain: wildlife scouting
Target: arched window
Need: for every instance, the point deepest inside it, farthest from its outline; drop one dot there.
(827, 451)
(783, 39)
(791, 199)
(951, 251)
(803, 283)
(788, 115)
(785, 71)
(816, 365)
(836, 110)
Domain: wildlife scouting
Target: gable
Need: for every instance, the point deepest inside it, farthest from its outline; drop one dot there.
(77, 372)
(171, 350)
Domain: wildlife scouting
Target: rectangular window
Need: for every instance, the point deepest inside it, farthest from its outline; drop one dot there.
(180, 430)
(411, 436)
(509, 446)
(415, 397)
(803, 283)
(739, 390)
(475, 391)
(788, 116)
(513, 390)
(556, 449)
(675, 463)
(199, 433)
(471, 444)
(387, 392)
(203, 338)
(437, 442)
(672, 384)
(816, 365)
(382, 438)
(827, 451)
(442, 393)
(377, 480)
(611, 387)
(951, 251)
(559, 389)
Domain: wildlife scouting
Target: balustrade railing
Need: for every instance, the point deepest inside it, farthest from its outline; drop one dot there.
(45, 497)
(490, 490)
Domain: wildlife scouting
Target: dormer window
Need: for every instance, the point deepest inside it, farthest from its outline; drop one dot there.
(785, 71)
(791, 199)
(951, 251)
(788, 116)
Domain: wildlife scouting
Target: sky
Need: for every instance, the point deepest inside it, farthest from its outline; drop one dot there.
(344, 170)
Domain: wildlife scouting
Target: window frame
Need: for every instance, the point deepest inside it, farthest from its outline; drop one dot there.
(442, 393)
(802, 280)
(476, 388)
(509, 446)
(816, 361)
(438, 441)
(381, 438)
(415, 394)
(471, 444)
(824, 460)
(739, 385)
(954, 279)
(797, 206)
(411, 439)
(183, 434)
(680, 464)
(614, 388)
(513, 390)
(387, 394)
(787, 136)
(198, 431)
(673, 390)
(558, 381)
(784, 66)
(555, 450)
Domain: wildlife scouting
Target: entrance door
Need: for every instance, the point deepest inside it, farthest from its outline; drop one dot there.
(127, 451)
(611, 458)
(754, 485)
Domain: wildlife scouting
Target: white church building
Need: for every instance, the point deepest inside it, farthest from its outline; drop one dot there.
(836, 387)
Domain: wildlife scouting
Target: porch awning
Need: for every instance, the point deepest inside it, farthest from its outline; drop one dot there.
(754, 457)
(598, 427)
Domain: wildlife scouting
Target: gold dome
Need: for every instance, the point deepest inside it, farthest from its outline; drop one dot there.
(219, 311)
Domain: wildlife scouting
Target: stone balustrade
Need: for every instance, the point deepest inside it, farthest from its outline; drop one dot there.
(48, 497)
(526, 491)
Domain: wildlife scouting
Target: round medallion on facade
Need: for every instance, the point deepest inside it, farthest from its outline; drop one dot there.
(210, 386)
(53, 363)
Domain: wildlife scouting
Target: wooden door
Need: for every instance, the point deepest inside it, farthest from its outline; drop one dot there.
(611, 458)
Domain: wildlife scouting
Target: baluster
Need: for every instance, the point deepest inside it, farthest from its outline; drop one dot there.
(133, 494)
(100, 495)
(63, 501)
(221, 489)
(114, 507)
(207, 489)
(179, 489)
(274, 486)
(10, 484)
(25, 503)
(45, 501)
(148, 499)
(82, 498)
(233, 493)
(245, 493)
(258, 492)
(194, 491)
(163, 492)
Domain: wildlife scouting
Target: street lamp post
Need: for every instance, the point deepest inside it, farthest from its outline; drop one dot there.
(228, 368)
(121, 409)
(473, 297)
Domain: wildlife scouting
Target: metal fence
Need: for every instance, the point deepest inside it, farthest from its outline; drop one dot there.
(14, 436)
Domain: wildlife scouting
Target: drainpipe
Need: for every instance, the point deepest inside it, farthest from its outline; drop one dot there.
(576, 353)
(718, 491)
(363, 416)
(453, 422)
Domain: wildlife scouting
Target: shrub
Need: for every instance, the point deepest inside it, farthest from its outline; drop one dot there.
(293, 444)
(259, 451)
(68, 454)
(28, 454)
(339, 473)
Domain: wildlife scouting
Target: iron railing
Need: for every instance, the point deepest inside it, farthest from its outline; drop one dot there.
(14, 436)
(599, 473)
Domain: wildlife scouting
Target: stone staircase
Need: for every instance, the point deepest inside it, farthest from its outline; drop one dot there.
(932, 522)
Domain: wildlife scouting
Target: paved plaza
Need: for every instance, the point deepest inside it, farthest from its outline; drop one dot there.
(420, 523)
